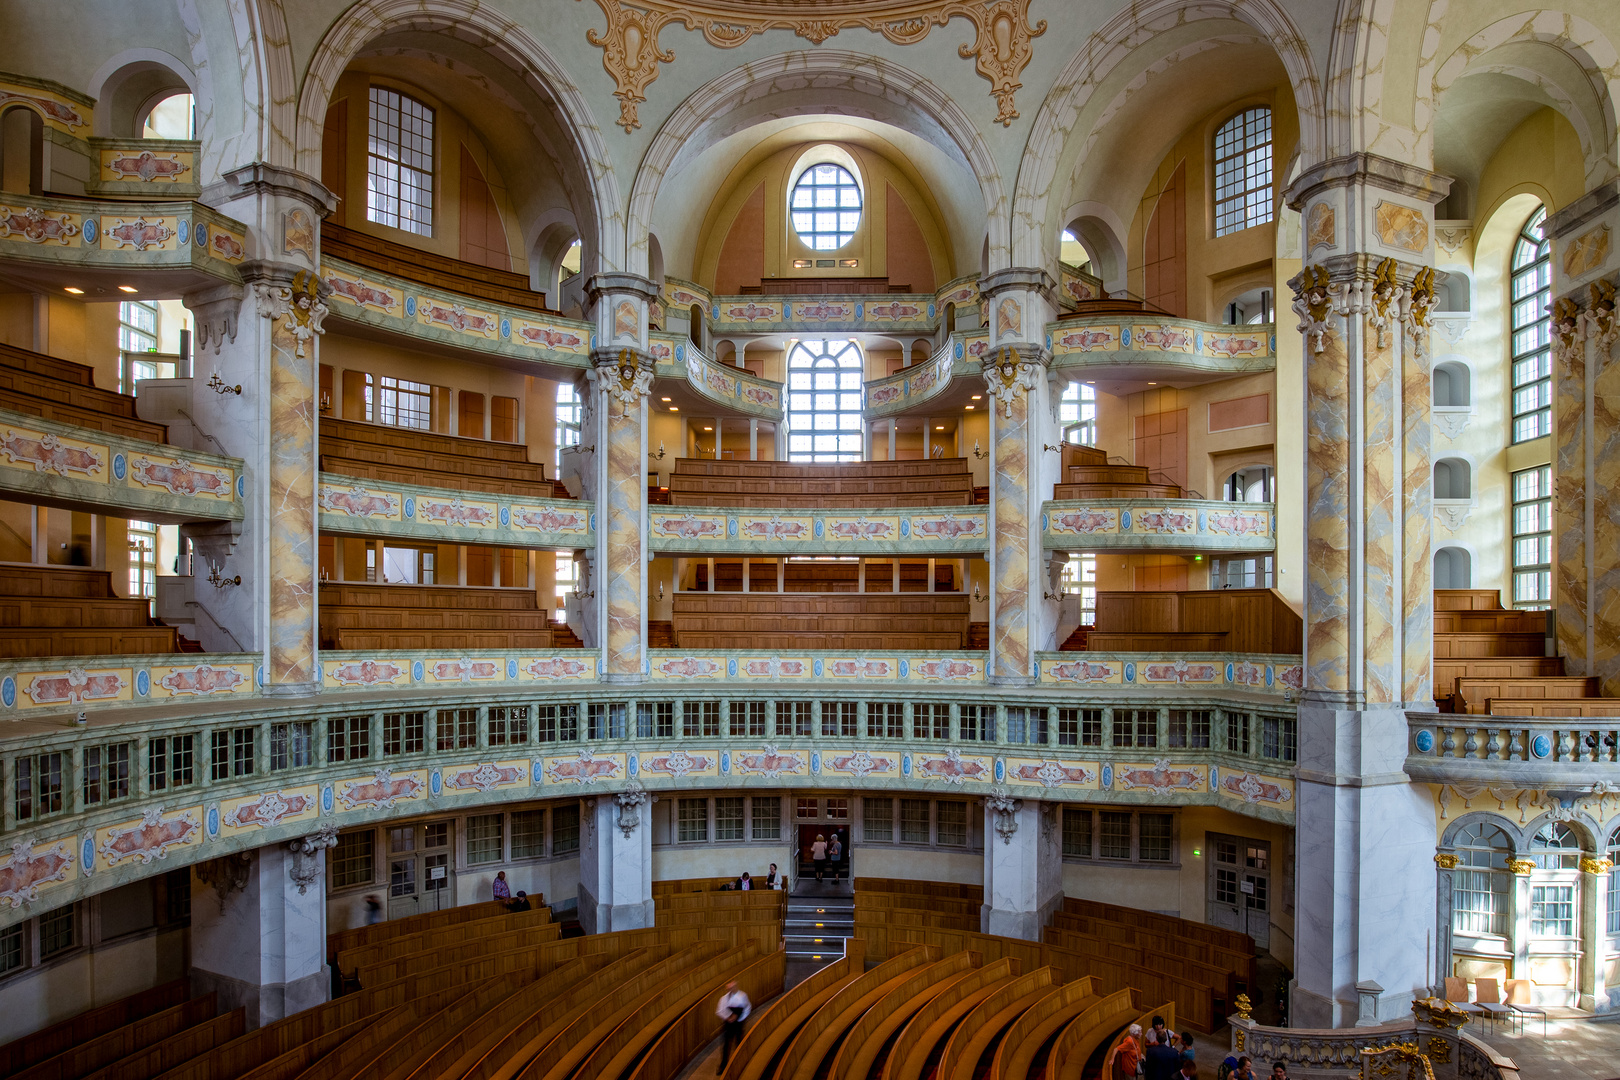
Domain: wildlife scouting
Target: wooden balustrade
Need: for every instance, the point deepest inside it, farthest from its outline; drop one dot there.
(61, 390)
(819, 621)
(850, 485)
(71, 611)
(1215, 620)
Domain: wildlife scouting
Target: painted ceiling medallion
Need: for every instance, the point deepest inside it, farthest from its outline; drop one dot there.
(630, 51)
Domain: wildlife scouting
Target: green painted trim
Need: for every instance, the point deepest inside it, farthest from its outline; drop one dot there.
(356, 506)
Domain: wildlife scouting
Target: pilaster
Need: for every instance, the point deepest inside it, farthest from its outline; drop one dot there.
(615, 861)
(1022, 422)
(1023, 865)
(1365, 862)
(1586, 459)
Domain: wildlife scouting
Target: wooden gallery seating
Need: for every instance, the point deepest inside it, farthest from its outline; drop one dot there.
(1214, 620)
(1088, 475)
(920, 621)
(856, 485)
(415, 264)
(811, 576)
(469, 992)
(71, 611)
(1492, 661)
(395, 455)
(61, 390)
(359, 615)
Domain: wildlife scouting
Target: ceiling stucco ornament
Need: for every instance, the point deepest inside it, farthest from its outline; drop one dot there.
(631, 55)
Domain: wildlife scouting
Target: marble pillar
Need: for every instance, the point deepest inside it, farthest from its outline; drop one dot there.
(1366, 884)
(1586, 458)
(623, 377)
(1022, 423)
(615, 861)
(258, 929)
(254, 395)
(1023, 865)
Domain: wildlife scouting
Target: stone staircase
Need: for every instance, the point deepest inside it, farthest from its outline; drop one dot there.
(820, 918)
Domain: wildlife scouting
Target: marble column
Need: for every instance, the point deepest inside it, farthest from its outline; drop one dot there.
(623, 377)
(258, 929)
(254, 396)
(615, 861)
(1023, 865)
(1586, 459)
(1592, 983)
(1366, 885)
(1022, 423)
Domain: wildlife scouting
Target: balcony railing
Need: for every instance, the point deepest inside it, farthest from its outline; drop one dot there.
(1157, 525)
(1527, 752)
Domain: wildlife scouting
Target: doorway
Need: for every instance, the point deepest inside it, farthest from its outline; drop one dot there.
(419, 869)
(821, 816)
(1239, 887)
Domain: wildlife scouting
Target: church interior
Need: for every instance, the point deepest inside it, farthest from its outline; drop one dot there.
(1097, 510)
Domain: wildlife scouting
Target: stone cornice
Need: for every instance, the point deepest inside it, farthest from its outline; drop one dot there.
(1595, 203)
(600, 285)
(262, 178)
(1373, 171)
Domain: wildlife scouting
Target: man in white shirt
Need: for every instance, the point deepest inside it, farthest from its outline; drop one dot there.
(733, 1009)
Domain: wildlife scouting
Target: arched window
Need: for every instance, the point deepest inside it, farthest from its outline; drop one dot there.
(175, 117)
(824, 401)
(1614, 882)
(1532, 331)
(1452, 479)
(1453, 569)
(826, 206)
(399, 162)
(1556, 847)
(1077, 412)
(1452, 385)
(1480, 883)
(1243, 171)
(1253, 484)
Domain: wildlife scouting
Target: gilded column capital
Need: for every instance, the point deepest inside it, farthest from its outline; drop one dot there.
(1445, 860)
(625, 375)
(1596, 867)
(1521, 867)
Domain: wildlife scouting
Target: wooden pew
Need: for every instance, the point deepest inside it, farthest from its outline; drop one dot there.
(822, 1033)
(1028, 1037)
(509, 947)
(1473, 693)
(773, 1028)
(106, 1047)
(819, 620)
(477, 281)
(924, 1036)
(60, 1037)
(175, 1050)
(852, 485)
(38, 385)
(339, 940)
(1248, 620)
(298, 1060)
(1595, 708)
(356, 615)
(761, 981)
(983, 1028)
(1145, 1020)
(72, 611)
(870, 1035)
(350, 960)
(1085, 1033)
(406, 1054)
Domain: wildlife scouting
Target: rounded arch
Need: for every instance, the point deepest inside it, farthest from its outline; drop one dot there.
(1100, 230)
(1453, 384)
(1588, 100)
(590, 170)
(1518, 838)
(130, 83)
(1453, 568)
(1453, 479)
(1579, 826)
(899, 88)
(1111, 45)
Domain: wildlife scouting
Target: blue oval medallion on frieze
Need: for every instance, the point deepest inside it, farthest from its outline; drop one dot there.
(143, 682)
(1130, 672)
(87, 855)
(120, 466)
(1541, 746)
(416, 671)
(1108, 776)
(8, 691)
(1424, 740)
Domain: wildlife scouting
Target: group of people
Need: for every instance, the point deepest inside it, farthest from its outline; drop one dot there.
(503, 892)
(825, 851)
(772, 880)
(1156, 1054)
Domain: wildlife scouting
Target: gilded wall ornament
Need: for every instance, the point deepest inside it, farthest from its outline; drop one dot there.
(1313, 303)
(1596, 867)
(1521, 867)
(630, 52)
(1447, 861)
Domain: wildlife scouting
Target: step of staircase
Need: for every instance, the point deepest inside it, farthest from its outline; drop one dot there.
(816, 928)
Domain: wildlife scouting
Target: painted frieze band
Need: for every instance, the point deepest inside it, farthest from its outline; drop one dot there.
(1190, 524)
(943, 531)
(358, 506)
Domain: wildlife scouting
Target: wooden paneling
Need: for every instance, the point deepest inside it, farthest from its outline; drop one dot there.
(503, 419)
(470, 415)
(1160, 446)
(1164, 247)
(334, 162)
(356, 615)
(45, 386)
(1234, 620)
(819, 620)
(1251, 411)
(856, 485)
(483, 238)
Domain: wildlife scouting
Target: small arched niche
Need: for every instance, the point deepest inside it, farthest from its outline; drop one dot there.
(22, 151)
(1254, 307)
(1453, 569)
(1453, 385)
(1453, 479)
(1253, 483)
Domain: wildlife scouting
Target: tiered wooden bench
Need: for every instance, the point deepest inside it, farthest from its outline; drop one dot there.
(851, 485)
(395, 455)
(70, 611)
(1088, 475)
(356, 615)
(824, 286)
(415, 264)
(130, 1040)
(823, 577)
(921, 621)
(1213, 620)
(61, 390)
(1491, 661)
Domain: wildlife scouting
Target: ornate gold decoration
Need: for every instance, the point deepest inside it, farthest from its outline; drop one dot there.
(631, 55)
(1313, 303)
(1439, 1050)
(1439, 1013)
(1447, 861)
(1590, 865)
(300, 305)
(1600, 316)
(1385, 291)
(1007, 377)
(1239, 1037)
(1418, 1067)
(1244, 1007)
(1566, 324)
(1423, 296)
(1521, 867)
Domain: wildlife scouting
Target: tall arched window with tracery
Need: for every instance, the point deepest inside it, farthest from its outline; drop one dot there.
(1481, 882)
(1613, 883)
(1243, 171)
(824, 401)
(1532, 331)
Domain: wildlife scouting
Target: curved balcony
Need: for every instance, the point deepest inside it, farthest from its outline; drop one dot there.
(789, 531)
(731, 388)
(356, 506)
(1204, 525)
(1145, 345)
(581, 740)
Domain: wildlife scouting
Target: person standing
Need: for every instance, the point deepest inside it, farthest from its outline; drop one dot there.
(733, 1011)
(373, 910)
(835, 856)
(818, 854)
(502, 891)
(1159, 1060)
(772, 881)
(1128, 1054)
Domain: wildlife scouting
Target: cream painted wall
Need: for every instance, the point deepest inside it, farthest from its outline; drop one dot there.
(89, 978)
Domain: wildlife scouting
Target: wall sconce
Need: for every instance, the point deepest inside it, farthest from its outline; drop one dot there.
(977, 453)
(978, 597)
(585, 595)
(326, 402)
(658, 456)
(1054, 449)
(1051, 595)
(660, 590)
(219, 582)
(220, 386)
